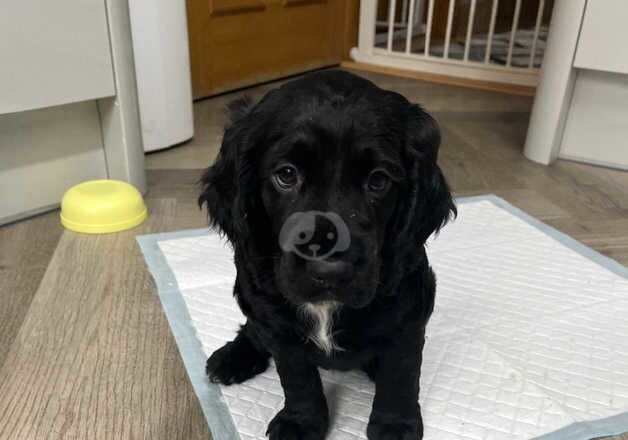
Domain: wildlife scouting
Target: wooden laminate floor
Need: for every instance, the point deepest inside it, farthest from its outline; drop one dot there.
(85, 349)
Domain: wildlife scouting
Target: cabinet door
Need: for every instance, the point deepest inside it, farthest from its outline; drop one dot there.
(52, 53)
(602, 43)
(595, 128)
(237, 43)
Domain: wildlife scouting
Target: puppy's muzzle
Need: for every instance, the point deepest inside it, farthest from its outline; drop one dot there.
(330, 275)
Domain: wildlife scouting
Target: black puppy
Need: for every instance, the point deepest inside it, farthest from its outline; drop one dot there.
(327, 190)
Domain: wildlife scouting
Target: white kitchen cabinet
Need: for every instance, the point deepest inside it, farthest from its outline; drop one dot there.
(44, 152)
(596, 128)
(603, 40)
(68, 101)
(52, 53)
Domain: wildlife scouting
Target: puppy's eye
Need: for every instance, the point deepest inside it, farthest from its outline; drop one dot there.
(378, 181)
(286, 177)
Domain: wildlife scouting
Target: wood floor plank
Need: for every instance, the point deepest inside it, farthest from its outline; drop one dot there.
(26, 248)
(94, 358)
(611, 185)
(442, 79)
(527, 200)
(499, 146)
(184, 186)
(607, 236)
(441, 97)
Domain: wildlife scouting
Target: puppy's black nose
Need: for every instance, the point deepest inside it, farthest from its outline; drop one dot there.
(330, 274)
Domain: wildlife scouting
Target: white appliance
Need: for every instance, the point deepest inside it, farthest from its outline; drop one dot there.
(162, 68)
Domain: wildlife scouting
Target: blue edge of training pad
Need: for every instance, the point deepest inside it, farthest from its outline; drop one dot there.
(214, 407)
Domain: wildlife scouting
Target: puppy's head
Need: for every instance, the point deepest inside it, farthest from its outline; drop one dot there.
(328, 187)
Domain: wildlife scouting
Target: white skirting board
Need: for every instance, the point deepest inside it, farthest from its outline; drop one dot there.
(529, 336)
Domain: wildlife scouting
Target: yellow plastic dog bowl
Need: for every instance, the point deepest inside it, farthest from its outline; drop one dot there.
(102, 206)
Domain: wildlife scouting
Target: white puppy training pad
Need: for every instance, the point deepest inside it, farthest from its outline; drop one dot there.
(529, 336)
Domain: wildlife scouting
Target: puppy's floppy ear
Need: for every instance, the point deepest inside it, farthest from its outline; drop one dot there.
(221, 182)
(431, 204)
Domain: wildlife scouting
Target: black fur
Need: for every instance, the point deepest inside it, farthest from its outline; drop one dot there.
(335, 128)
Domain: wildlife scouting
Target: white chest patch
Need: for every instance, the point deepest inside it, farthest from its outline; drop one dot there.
(321, 315)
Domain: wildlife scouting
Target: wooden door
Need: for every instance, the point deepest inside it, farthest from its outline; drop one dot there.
(236, 43)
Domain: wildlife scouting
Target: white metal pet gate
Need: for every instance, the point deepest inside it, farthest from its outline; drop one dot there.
(490, 41)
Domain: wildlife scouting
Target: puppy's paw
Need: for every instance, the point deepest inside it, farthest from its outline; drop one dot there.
(289, 425)
(390, 427)
(235, 362)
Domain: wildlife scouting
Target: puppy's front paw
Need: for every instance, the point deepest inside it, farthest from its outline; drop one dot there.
(289, 425)
(235, 362)
(391, 427)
